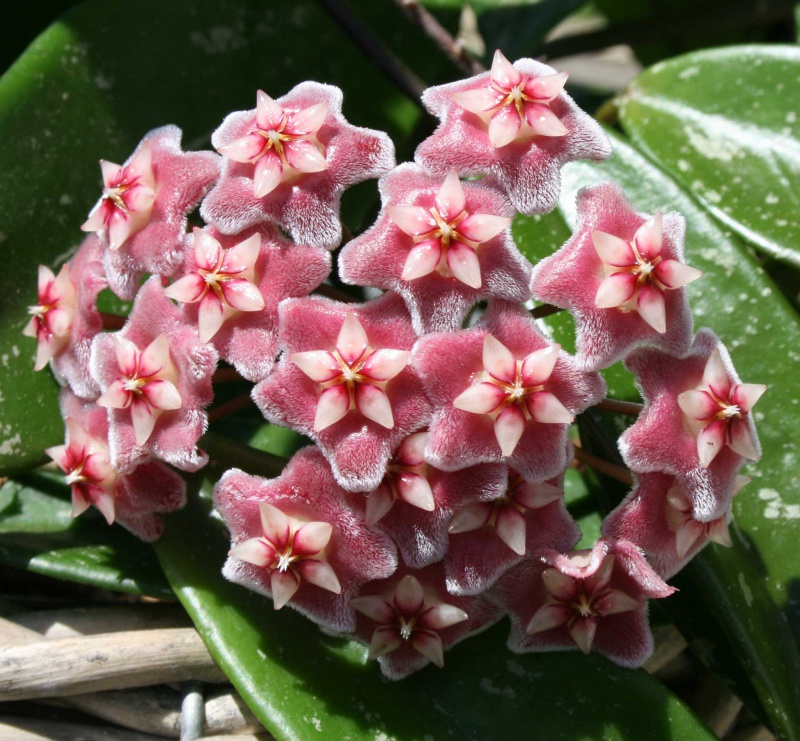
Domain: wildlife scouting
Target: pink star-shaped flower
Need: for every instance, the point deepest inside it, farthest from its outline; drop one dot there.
(659, 517)
(703, 453)
(66, 319)
(621, 275)
(487, 538)
(502, 392)
(289, 161)
(141, 215)
(219, 281)
(409, 620)
(515, 123)
(588, 599)
(296, 539)
(156, 380)
(134, 499)
(441, 244)
(343, 380)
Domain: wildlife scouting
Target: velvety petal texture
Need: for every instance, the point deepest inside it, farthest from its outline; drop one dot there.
(306, 491)
(451, 363)
(248, 340)
(525, 162)
(155, 322)
(400, 256)
(306, 203)
(664, 439)
(358, 434)
(588, 277)
(589, 600)
(181, 179)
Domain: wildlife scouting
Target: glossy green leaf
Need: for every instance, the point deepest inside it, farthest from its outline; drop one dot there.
(743, 586)
(93, 84)
(724, 123)
(301, 683)
(38, 533)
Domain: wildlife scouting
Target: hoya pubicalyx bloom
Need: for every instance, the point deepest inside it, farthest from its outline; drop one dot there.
(344, 380)
(134, 499)
(289, 161)
(141, 215)
(621, 275)
(442, 244)
(591, 600)
(297, 539)
(155, 376)
(515, 123)
(502, 392)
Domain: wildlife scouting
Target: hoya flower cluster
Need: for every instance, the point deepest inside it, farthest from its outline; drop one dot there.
(431, 502)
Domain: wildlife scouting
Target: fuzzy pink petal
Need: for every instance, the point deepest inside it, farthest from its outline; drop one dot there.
(504, 127)
(543, 121)
(613, 250)
(187, 289)
(710, 442)
(615, 290)
(464, 264)
(538, 366)
(332, 406)
(652, 307)
(409, 595)
(308, 121)
(321, 574)
(210, 316)
(415, 489)
(384, 365)
(478, 101)
(450, 200)
(741, 440)
(284, 585)
(422, 259)
(483, 398)
(305, 157)
(548, 617)
(245, 149)
(318, 365)
(352, 340)
(674, 274)
(545, 407)
(267, 175)
(269, 113)
(503, 72)
(483, 227)
(510, 526)
(311, 538)
(413, 220)
(498, 359)
(242, 295)
(649, 237)
(745, 395)
(374, 404)
(508, 429)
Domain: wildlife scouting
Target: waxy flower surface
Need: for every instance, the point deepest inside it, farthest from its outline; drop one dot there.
(51, 319)
(156, 380)
(410, 620)
(343, 380)
(134, 499)
(141, 215)
(502, 392)
(590, 600)
(665, 439)
(289, 161)
(442, 244)
(219, 281)
(296, 539)
(658, 516)
(621, 275)
(514, 123)
(487, 538)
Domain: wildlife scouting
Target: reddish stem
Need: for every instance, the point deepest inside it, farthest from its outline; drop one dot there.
(112, 321)
(229, 407)
(611, 470)
(632, 408)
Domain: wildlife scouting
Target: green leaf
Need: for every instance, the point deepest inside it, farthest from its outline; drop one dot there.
(749, 591)
(38, 533)
(724, 123)
(94, 83)
(300, 682)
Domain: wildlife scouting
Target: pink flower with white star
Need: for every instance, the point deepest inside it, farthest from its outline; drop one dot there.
(502, 392)
(409, 620)
(515, 123)
(156, 380)
(589, 599)
(141, 215)
(296, 539)
(343, 380)
(289, 161)
(134, 500)
(51, 319)
(622, 276)
(277, 269)
(659, 517)
(665, 439)
(487, 538)
(441, 244)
